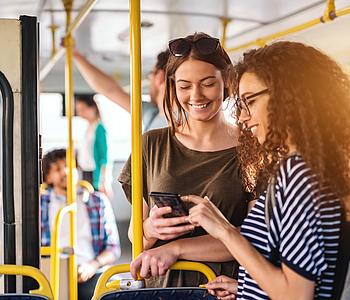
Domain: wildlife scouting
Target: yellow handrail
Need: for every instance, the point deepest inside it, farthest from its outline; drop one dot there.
(325, 18)
(76, 23)
(136, 115)
(44, 285)
(103, 287)
(55, 234)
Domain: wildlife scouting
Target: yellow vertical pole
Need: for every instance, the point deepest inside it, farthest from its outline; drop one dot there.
(136, 120)
(224, 27)
(73, 288)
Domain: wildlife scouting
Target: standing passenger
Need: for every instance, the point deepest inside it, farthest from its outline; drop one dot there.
(93, 152)
(294, 105)
(152, 112)
(198, 155)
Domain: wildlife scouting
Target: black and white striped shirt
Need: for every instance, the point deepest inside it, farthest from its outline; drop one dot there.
(304, 231)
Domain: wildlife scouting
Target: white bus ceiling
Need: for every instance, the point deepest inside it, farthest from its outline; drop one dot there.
(104, 35)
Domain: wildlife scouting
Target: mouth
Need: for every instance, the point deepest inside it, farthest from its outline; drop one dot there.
(253, 129)
(199, 106)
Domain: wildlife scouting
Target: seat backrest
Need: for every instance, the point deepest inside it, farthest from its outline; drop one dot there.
(44, 292)
(22, 297)
(161, 293)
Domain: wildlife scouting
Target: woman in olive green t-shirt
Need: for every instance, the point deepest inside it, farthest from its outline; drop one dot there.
(196, 155)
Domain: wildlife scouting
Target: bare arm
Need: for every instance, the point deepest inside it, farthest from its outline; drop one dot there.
(100, 82)
(286, 281)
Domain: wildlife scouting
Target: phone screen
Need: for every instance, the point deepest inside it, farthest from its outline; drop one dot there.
(173, 200)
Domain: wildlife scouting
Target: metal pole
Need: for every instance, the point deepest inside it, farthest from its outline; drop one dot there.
(136, 115)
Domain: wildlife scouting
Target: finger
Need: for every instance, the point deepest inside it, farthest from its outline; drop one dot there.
(160, 211)
(174, 221)
(134, 267)
(194, 199)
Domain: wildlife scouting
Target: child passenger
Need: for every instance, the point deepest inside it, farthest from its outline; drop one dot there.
(292, 100)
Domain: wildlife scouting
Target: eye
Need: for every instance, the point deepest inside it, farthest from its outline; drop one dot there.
(183, 87)
(250, 102)
(209, 84)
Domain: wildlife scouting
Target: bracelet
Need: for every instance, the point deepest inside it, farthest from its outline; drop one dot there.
(98, 261)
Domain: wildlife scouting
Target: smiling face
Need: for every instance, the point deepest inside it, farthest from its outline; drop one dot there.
(199, 89)
(57, 176)
(257, 122)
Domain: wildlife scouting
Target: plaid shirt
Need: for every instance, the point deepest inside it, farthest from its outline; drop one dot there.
(103, 226)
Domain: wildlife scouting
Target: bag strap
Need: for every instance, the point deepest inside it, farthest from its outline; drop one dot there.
(270, 198)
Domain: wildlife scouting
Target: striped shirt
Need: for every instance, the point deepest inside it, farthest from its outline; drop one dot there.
(304, 231)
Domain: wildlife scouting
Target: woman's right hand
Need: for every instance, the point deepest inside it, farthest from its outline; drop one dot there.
(223, 287)
(158, 227)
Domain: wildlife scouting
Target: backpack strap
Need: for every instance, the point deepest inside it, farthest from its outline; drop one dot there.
(270, 198)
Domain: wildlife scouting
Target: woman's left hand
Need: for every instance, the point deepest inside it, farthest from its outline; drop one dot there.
(223, 287)
(207, 215)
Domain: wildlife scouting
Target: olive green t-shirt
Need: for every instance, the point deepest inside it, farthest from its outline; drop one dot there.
(170, 167)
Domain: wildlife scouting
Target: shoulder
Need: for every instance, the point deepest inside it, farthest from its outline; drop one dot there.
(100, 127)
(293, 169)
(156, 135)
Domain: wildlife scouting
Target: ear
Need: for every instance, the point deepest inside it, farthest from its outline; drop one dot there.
(47, 179)
(160, 77)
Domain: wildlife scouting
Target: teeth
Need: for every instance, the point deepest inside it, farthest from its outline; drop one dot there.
(199, 106)
(253, 129)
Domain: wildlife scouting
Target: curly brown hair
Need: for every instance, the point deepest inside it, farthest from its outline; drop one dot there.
(310, 100)
(219, 59)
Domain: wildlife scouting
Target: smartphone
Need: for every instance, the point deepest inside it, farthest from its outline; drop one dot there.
(173, 200)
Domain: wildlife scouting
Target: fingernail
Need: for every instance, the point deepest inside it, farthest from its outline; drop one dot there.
(208, 285)
(191, 227)
(187, 219)
(168, 208)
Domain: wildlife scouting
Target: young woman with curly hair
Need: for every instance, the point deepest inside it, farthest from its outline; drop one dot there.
(293, 108)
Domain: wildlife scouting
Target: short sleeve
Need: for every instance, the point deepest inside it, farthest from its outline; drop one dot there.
(296, 227)
(125, 179)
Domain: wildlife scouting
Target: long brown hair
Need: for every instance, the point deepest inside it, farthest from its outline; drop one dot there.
(219, 59)
(310, 100)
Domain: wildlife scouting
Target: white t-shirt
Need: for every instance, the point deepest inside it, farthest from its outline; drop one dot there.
(85, 252)
(86, 149)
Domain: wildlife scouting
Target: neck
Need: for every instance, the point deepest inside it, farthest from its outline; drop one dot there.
(216, 134)
(159, 100)
(92, 121)
(60, 191)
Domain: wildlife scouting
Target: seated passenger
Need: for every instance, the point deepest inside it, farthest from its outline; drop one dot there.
(97, 235)
(293, 106)
(197, 154)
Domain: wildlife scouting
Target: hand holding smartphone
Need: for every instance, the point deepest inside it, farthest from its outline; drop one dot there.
(179, 209)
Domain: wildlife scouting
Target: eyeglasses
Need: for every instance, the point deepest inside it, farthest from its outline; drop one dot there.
(244, 106)
(204, 45)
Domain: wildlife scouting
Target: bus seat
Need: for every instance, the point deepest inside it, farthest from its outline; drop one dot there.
(110, 291)
(193, 293)
(44, 291)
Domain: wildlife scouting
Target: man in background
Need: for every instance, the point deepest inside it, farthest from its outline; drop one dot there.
(97, 235)
(152, 112)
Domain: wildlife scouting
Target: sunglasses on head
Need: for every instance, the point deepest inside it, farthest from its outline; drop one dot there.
(204, 45)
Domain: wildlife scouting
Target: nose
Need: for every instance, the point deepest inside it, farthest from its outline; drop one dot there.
(243, 117)
(196, 93)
